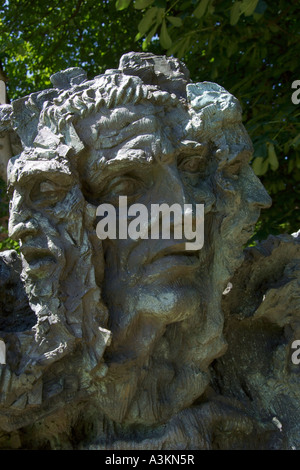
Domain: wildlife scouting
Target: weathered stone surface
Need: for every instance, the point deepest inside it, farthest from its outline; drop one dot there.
(262, 313)
(15, 312)
(133, 344)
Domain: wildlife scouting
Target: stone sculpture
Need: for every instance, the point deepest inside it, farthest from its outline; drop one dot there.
(122, 343)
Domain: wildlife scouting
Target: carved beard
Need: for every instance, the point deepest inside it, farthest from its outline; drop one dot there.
(59, 278)
(43, 261)
(170, 372)
(164, 378)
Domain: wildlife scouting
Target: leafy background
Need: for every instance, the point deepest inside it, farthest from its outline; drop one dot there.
(251, 47)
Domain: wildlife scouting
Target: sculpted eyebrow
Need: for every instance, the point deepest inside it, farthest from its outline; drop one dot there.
(193, 149)
(117, 167)
(125, 165)
(38, 176)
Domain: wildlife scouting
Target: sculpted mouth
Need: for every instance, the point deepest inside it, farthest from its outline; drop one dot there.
(248, 229)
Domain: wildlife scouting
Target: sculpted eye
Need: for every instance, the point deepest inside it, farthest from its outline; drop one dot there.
(192, 165)
(47, 186)
(46, 193)
(123, 186)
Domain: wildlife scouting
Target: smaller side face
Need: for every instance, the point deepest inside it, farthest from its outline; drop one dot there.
(39, 196)
(47, 218)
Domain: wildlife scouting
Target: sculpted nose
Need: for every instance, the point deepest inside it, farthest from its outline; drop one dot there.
(174, 187)
(256, 194)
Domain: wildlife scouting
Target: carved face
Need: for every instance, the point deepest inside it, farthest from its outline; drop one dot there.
(153, 278)
(46, 236)
(153, 288)
(163, 302)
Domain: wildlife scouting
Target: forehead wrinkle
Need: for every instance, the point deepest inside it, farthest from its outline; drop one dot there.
(110, 122)
(121, 116)
(145, 125)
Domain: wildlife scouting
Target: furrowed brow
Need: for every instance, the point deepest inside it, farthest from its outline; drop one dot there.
(115, 166)
(189, 147)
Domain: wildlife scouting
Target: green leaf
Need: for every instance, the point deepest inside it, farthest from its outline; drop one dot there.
(165, 40)
(150, 35)
(175, 20)
(296, 141)
(160, 15)
(145, 45)
(183, 48)
(248, 7)
(138, 36)
(257, 165)
(147, 20)
(260, 166)
(141, 4)
(201, 8)
(122, 4)
(235, 13)
(231, 49)
(272, 157)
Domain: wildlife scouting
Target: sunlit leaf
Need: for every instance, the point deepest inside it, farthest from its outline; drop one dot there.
(147, 20)
(122, 4)
(257, 165)
(272, 157)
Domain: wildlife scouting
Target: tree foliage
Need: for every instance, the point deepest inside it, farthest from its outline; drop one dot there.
(250, 47)
(38, 39)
